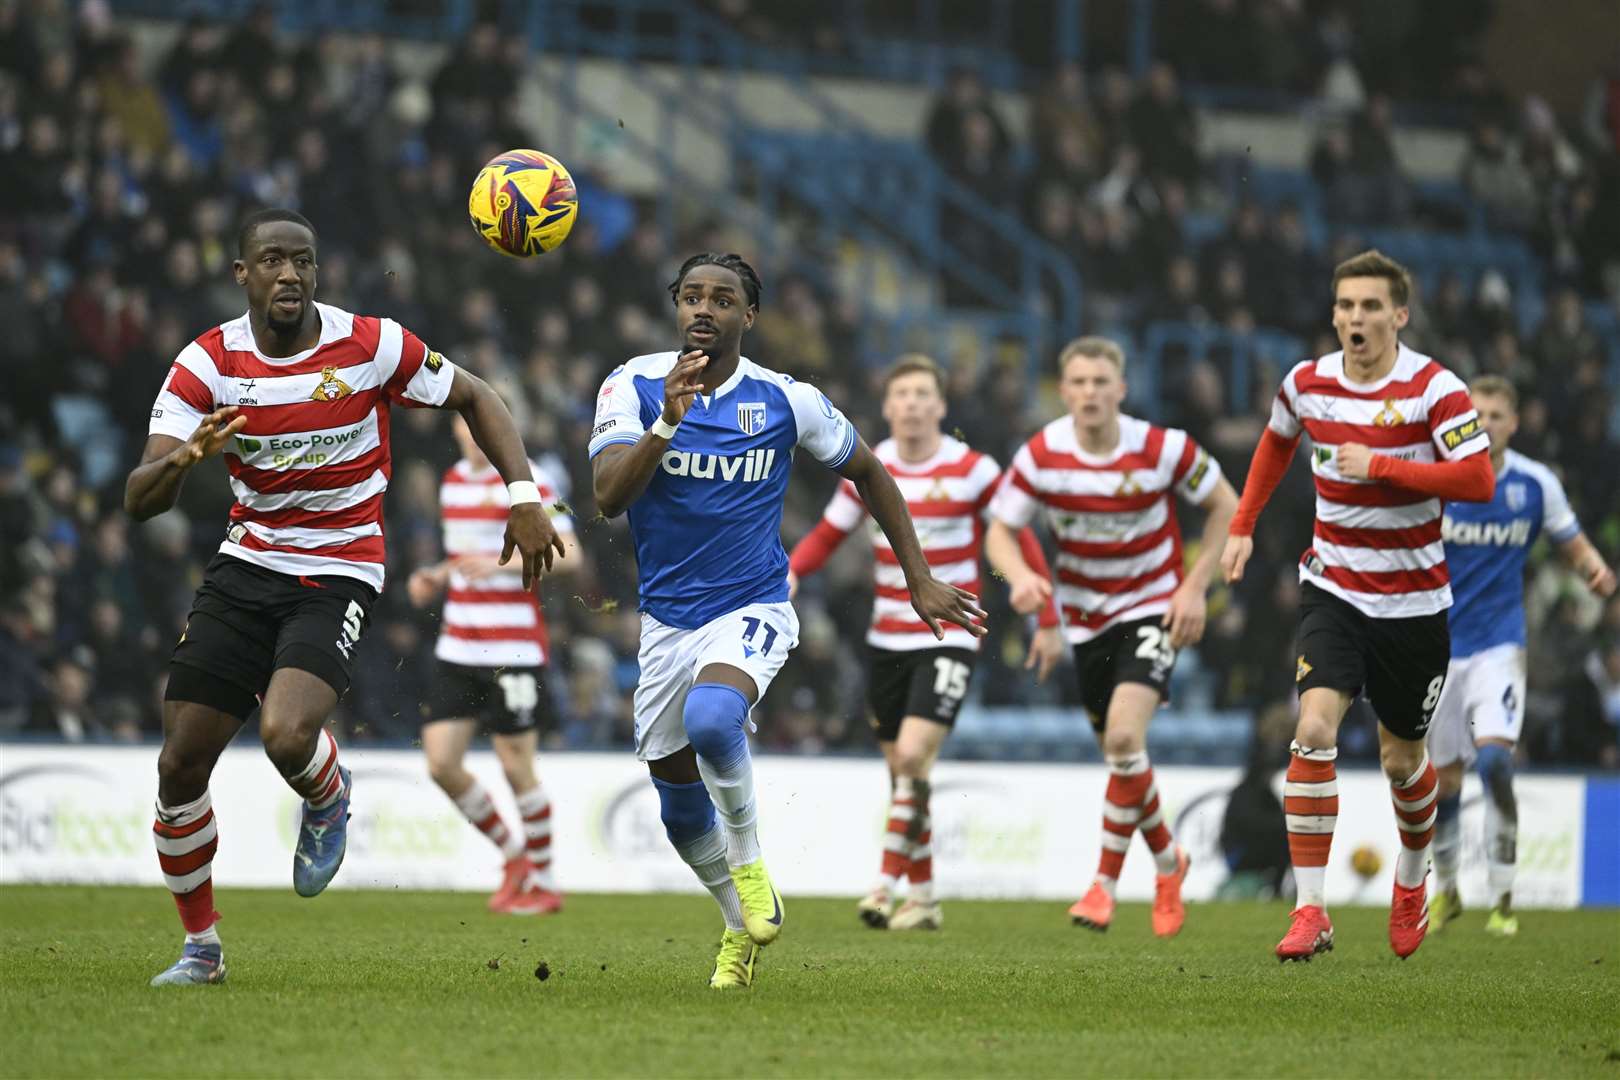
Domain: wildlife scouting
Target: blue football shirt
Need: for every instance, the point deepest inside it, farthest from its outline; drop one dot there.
(1486, 548)
(708, 527)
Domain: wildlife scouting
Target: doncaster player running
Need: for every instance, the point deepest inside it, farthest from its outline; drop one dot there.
(492, 648)
(697, 446)
(915, 683)
(1392, 433)
(1127, 602)
(296, 395)
(1481, 710)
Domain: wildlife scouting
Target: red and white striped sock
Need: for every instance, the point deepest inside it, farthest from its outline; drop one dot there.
(534, 806)
(896, 838)
(1415, 811)
(1128, 781)
(319, 782)
(921, 869)
(1311, 808)
(186, 838)
(1151, 822)
(478, 807)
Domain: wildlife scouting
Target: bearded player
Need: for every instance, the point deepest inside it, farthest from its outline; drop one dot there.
(492, 651)
(1481, 711)
(296, 396)
(1392, 434)
(697, 446)
(1128, 603)
(915, 683)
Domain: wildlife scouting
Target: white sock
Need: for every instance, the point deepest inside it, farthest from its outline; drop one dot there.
(707, 857)
(478, 807)
(1310, 885)
(209, 936)
(1501, 854)
(732, 792)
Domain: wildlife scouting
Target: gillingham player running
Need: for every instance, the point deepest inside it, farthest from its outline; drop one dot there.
(1481, 710)
(698, 447)
(1392, 433)
(492, 649)
(1105, 481)
(915, 683)
(296, 395)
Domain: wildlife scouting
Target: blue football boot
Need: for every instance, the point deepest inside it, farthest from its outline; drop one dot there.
(322, 838)
(199, 965)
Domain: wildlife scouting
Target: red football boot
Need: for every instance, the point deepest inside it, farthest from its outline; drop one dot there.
(1311, 933)
(1408, 919)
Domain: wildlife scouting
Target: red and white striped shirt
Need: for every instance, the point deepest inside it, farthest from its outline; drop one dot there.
(1377, 546)
(947, 496)
(310, 467)
(1119, 547)
(491, 621)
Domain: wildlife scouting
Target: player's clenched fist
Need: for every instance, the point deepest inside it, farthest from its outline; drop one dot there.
(210, 437)
(682, 384)
(938, 602)
(1354, 461)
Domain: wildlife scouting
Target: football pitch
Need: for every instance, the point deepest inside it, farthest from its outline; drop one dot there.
(423, 984)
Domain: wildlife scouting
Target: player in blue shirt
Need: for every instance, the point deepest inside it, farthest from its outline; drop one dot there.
(697, 446)
(1481, 709)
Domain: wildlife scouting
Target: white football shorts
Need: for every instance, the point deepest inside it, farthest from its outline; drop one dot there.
(1483, 699)
(756, 638)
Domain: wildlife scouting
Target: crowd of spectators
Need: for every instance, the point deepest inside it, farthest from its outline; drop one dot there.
(123, 171)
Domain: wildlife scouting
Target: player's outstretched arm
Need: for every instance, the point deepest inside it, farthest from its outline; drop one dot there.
(619, 474)
(154, 485)
(528, 527)
(935, 601)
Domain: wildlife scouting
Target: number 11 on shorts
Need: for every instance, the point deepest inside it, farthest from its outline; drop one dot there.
(753, 625)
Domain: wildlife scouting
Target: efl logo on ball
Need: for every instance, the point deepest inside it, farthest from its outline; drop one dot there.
(523, 203)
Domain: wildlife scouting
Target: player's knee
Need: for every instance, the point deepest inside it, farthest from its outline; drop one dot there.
(714, 715)
(180, 769)
(1495, 765)
(1121, 742)
(1400, 759)
(287, 742)
(685, 809)
(447, 772)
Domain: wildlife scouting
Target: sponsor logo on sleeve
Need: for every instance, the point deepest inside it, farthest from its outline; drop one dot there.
(1200, 467)
(1461, 433)
(604, 426)
(434, 361)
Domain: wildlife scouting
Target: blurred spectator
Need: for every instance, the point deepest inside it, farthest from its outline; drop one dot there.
(1164, 127)
(1493, 173)
(947, 131)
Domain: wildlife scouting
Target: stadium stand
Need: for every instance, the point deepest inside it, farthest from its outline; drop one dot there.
(1098, 186)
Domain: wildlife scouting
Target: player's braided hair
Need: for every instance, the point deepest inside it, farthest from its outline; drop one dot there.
(733, 262)
(251, 223)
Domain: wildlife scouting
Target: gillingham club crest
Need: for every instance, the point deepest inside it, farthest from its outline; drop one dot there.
(751, 417)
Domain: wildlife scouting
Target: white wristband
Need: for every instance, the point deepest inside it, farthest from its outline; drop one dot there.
(663, 430)
(522, 491)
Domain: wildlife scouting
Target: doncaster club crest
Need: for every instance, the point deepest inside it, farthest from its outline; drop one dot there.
(751, 417)
(331, 387)
(1389, 415)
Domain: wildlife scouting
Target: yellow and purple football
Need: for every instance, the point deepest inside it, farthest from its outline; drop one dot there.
(523, 203)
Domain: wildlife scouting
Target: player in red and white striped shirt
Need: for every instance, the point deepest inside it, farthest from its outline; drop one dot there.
(296, 395)
(916, 682)
(1392, 434)
(492, 648)
(1105, 482)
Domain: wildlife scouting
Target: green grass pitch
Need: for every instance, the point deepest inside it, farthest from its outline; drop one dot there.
(427, 984)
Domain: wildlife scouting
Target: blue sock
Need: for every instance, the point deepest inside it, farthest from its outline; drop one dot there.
(1495, 765)
(1447, 841)
(689, 823)
(715, 716)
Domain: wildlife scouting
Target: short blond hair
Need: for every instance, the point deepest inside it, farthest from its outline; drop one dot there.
(1096, 347)
(914, 364)
(1496, 386)
(1374, 263)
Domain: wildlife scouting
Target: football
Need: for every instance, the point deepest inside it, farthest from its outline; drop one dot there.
(1366, 861)
(523, 203)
